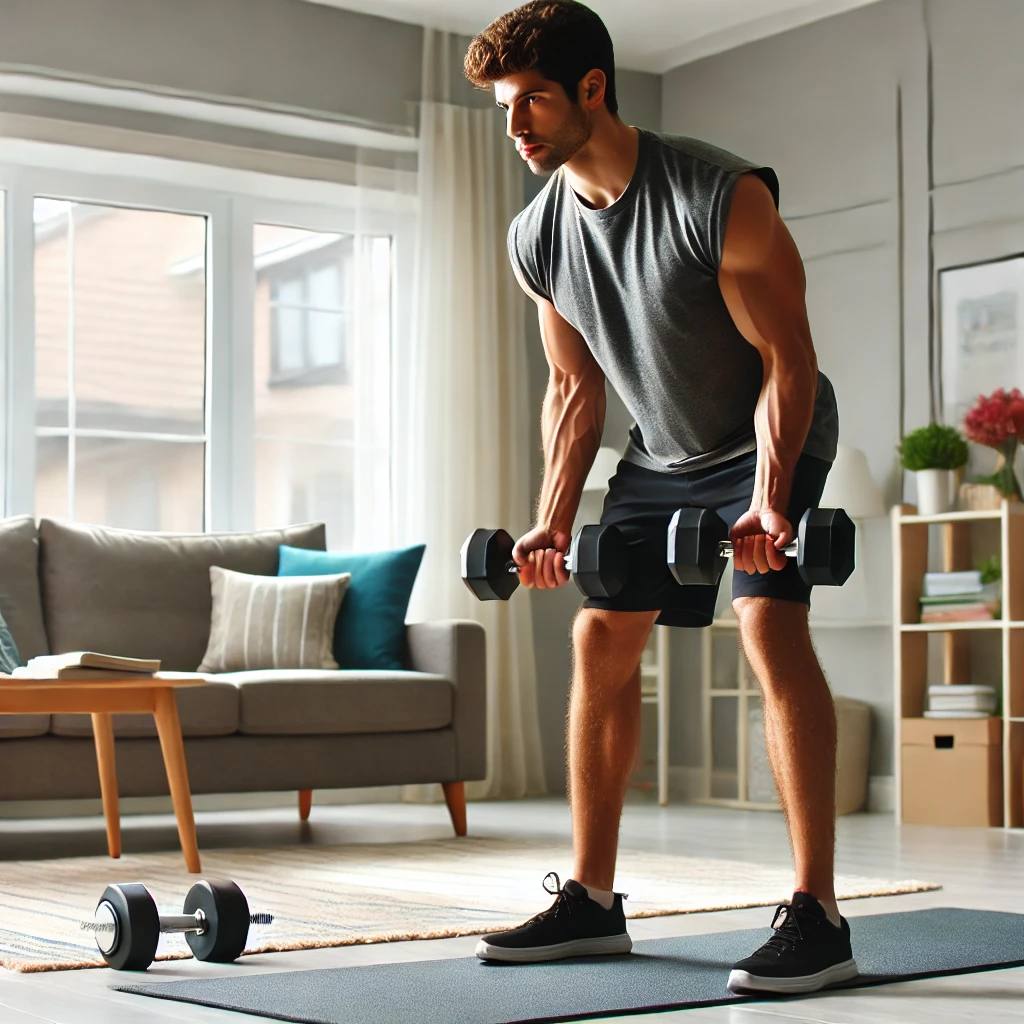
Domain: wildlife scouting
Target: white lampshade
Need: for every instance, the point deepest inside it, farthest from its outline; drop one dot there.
(605, 463)
(851, 486)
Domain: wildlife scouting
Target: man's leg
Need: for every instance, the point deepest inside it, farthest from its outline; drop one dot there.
(810, 948)
(602, 739)
(800, 734)
(603, 733)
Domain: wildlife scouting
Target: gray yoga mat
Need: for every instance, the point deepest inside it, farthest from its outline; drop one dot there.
(659, 974)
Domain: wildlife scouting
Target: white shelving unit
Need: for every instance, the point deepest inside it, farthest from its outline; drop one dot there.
(658, 671)
(745, 691)
(910, 641)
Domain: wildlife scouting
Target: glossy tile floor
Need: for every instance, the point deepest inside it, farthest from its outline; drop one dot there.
(979, 868)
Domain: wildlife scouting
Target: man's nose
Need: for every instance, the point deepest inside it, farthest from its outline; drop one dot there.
(516, 124)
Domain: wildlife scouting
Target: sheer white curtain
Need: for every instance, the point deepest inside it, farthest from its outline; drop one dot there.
(462, 458)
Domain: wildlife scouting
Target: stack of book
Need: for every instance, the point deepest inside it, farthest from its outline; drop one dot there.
(957, 700)
(959, 597)
(87, 665)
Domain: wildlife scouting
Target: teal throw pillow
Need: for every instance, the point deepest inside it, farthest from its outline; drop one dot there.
(10, 659)
(370, 629)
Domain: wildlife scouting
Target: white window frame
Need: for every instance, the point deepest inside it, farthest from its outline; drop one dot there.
(233, 202)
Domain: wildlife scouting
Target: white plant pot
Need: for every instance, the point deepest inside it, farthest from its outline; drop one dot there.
(934, 491)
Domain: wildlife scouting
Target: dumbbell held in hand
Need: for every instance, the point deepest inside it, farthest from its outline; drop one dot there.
(596, 562)
(698, 546)
(215, 922)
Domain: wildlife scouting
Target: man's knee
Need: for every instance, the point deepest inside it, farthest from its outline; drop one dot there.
(764, 617)
(614, 639)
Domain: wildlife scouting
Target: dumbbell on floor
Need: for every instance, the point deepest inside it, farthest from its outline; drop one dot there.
(215, 922)
(698, 546)
(596, 561)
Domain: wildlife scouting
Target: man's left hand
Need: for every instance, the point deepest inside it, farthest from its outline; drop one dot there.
(757, 539)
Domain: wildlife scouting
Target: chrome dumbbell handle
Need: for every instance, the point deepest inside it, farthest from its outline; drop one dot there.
(104, 924)
(725, 548)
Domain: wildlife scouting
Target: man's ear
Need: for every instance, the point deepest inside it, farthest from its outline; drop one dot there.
(591, 89)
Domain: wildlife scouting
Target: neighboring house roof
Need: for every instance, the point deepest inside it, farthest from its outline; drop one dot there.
(268, 258)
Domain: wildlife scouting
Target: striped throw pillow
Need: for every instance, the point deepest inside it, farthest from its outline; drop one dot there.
(263, 622)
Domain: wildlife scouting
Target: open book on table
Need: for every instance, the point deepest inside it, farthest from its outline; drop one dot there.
(86, 665)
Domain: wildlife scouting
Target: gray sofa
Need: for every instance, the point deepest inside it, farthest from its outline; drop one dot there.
(67, 586)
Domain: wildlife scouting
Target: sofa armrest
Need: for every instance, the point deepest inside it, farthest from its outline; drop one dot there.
(456, 649)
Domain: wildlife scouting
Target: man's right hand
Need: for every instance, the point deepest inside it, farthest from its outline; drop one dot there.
(540, 555)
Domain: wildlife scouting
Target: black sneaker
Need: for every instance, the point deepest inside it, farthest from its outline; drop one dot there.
(806, 953)
(574, 925)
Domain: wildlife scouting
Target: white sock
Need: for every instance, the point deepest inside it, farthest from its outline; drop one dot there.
(606, 899)
(832, 912)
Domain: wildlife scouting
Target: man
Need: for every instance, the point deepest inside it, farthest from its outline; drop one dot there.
(661, 264)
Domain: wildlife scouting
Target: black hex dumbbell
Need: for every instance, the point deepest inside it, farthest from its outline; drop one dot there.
(596, 561)
(698, 546)
(215, 922)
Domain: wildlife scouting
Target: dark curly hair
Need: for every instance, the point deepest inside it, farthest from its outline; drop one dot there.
(562, 39)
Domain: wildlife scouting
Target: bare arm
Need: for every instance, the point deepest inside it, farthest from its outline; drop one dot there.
(572, 419)
(762, 280)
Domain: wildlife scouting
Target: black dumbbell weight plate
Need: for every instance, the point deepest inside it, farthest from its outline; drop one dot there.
(486, 555)
(227, 916)
(137, 926)
(826, 547)
(694, 552)
(599, 560)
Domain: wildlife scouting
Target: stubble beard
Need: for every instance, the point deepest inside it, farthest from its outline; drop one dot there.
(572, 136)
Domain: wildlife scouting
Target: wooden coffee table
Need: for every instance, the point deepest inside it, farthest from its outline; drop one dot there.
(102, 698)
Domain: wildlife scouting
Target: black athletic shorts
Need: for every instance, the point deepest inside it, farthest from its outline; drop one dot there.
(641, 502)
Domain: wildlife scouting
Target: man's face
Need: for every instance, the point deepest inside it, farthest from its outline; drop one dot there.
(547, 128)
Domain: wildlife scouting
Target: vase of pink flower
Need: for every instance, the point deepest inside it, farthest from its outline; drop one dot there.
(998, 422)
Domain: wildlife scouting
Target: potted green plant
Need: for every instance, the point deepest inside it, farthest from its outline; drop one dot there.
(934, 453)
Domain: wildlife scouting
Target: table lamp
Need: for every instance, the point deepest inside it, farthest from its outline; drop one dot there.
(605, 463)
(851, 486)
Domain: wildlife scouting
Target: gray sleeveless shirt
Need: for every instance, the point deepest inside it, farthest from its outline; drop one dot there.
(639, 280)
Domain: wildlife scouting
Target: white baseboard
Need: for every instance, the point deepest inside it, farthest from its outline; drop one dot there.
(687, 784)
(881, 794)
(200, 802)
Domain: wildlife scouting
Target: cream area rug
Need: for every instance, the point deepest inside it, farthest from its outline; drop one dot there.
(342, 895)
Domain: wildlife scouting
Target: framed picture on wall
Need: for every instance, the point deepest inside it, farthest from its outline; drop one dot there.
(981, 333)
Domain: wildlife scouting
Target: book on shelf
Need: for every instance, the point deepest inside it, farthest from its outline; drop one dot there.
(973, 612)
(980, 606)
(86, 665)
(957, 714)
(958, 697)
(990, 593)
(963, 704)
(943, 584)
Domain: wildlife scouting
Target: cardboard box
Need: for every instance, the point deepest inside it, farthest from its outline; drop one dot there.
(952, 771)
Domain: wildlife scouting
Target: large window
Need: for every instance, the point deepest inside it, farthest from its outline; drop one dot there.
(322, 376)
(185, 360)
(305, 285)
(120, 360)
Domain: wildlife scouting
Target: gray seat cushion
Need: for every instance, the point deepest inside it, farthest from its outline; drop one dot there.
(17, 727)
(307, 702)
(20, 602)
(146, 595)
(207, 710)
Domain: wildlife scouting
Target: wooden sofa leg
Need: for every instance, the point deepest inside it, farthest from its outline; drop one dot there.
(305, 803)
(455, 798)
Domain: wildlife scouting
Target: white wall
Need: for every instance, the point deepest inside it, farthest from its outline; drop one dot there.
(282, 52)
